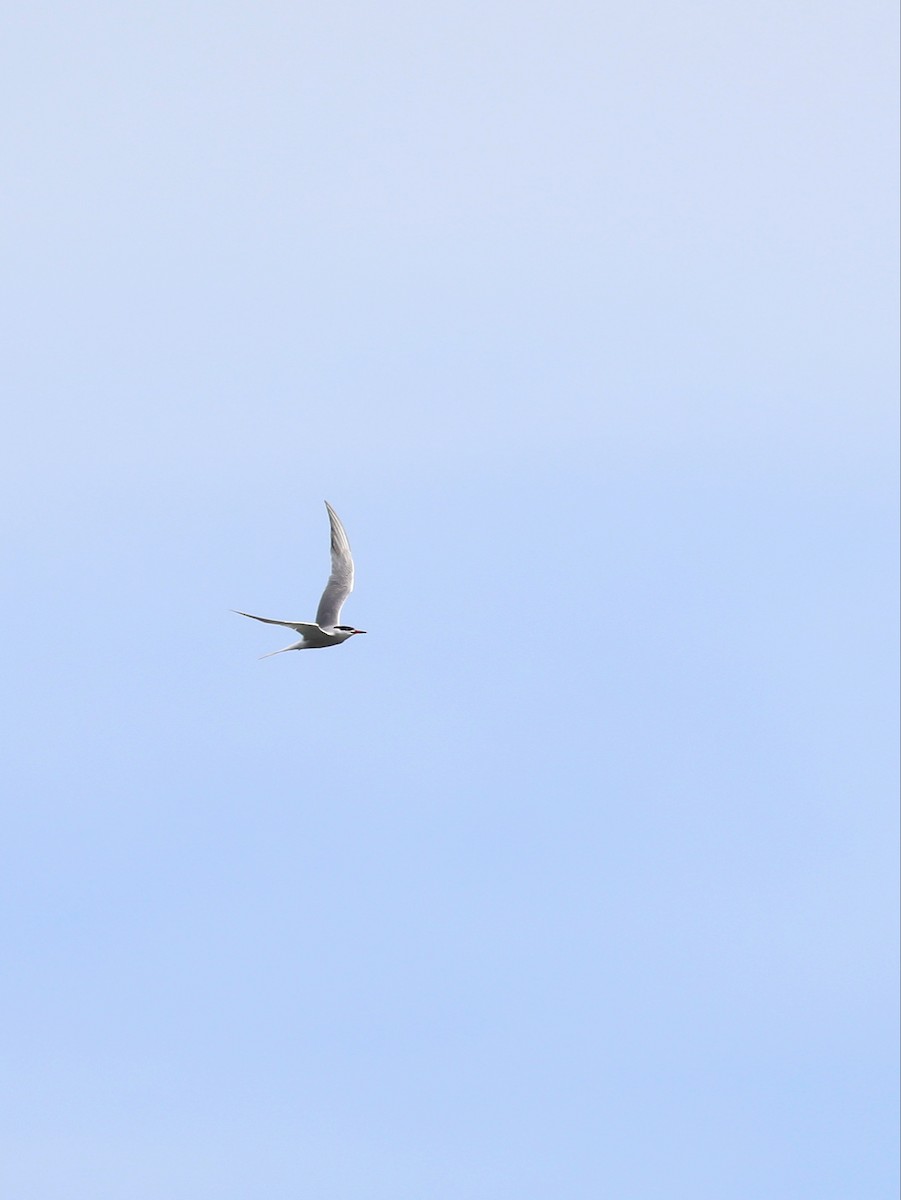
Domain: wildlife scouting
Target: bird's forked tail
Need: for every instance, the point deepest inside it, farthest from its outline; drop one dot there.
(295, 646)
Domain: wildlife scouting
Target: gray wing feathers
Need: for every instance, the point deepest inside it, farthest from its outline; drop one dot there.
(341, 581)
(300, 626)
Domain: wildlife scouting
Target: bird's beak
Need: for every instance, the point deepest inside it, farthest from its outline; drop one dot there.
(359, 631)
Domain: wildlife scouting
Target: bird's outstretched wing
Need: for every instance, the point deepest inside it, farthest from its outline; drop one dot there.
(341, 581)
(300, 626)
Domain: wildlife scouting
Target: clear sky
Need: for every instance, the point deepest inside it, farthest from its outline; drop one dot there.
(576, 876)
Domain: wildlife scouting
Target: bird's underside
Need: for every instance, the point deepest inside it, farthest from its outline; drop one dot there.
(313, 637)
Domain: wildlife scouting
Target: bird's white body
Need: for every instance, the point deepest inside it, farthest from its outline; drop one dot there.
(325, 630)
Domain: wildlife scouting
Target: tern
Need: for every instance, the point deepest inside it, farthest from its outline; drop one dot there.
(325, 631)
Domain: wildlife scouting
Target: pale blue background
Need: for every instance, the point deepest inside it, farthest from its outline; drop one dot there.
(575, 877)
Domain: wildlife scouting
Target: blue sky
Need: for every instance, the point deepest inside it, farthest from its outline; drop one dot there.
(577, 875)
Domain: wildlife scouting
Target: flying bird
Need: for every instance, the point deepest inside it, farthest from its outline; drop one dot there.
(325, 631)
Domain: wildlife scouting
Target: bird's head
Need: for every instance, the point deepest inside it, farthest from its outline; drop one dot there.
(349, 630)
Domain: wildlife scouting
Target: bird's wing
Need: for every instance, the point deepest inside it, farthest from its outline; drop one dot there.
(300, 626)
(341, 581)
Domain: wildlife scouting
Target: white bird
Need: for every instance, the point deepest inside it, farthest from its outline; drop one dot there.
(325, 631)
